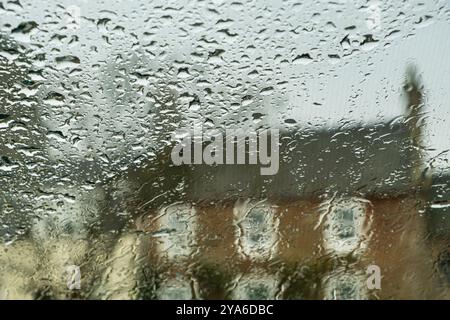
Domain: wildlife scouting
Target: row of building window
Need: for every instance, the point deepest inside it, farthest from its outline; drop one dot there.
(257, 228)
(258, 285)
(257, 237)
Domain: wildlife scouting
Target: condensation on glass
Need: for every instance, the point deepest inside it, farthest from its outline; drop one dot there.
(93, 92)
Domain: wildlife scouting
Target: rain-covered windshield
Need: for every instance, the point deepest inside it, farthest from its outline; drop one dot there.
(224, 149)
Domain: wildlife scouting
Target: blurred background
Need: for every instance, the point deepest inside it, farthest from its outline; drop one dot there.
(91, 90)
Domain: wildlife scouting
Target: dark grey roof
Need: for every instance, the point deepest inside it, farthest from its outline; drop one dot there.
(376, 159)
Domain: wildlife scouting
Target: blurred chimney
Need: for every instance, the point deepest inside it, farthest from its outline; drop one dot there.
(415, 122)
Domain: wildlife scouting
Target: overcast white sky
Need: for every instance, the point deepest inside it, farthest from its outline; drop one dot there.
(363, 84)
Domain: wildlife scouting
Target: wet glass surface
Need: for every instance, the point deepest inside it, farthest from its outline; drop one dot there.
(340, 109)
